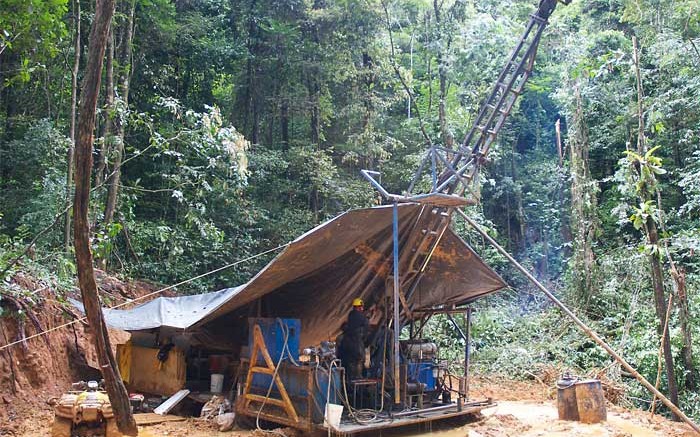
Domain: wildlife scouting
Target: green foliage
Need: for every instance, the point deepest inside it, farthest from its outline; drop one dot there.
(248, 123)
(31, 31)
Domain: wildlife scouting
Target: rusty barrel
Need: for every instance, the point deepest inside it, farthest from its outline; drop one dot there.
(581, 400)
(566, 398)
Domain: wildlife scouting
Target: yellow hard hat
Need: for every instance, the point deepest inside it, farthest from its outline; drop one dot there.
(358, 302)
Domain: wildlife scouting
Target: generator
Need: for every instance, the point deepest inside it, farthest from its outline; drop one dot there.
(422, 372)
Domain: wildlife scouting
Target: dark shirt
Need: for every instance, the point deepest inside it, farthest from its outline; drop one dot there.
(357, 324)
(352, 344)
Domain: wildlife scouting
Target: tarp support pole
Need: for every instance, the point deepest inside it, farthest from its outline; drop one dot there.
(581, 325)
(467, 349)
(397, 320)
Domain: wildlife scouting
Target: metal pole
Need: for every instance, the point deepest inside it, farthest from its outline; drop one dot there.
(467, 350)
(397, 321)
(582, 325)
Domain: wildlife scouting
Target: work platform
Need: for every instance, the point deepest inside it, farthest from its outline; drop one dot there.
(350, 427)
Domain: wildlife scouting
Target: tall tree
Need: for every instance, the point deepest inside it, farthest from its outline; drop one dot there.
(124, 86)
(73, 110)
(584, 208)
(643, 165)
(118, 395)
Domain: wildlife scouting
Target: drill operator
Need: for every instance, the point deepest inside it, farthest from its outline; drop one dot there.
(352, 345)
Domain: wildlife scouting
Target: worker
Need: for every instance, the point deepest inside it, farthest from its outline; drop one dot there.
(352, 345)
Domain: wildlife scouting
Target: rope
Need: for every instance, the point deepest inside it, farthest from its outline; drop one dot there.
(227, 266)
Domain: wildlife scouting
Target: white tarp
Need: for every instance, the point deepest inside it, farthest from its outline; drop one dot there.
(175, 312)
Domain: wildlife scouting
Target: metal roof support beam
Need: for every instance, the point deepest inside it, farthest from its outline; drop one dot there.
(397, 320)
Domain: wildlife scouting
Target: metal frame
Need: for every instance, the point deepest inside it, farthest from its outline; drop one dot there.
(454, 172)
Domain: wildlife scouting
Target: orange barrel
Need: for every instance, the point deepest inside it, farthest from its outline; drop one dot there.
(590, 401)
(566, 398)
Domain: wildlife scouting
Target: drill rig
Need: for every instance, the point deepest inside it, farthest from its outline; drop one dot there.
(453, 175)
(405, 382)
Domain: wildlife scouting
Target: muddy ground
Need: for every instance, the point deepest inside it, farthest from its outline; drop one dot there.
(524, 409)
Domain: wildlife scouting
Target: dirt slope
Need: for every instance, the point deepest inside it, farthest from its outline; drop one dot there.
(33, 372)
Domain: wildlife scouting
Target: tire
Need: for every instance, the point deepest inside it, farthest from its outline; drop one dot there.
(61, 427)
(111, 429)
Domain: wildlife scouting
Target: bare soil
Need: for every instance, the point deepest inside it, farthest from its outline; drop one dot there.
(523, 409)
(39, 369)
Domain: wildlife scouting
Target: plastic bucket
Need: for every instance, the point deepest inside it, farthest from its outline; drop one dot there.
(333, 414)
(217, 382)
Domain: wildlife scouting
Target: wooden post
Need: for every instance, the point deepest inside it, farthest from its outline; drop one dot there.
(119, 398)
(581, 325)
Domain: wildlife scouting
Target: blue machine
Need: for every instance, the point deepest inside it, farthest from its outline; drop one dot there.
(307, 386)
(274, 331)
(422, 372)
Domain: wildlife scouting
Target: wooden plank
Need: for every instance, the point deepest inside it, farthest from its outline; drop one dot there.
(173, 400)
(259, 398)
(147, 374)
(258, 369)
(153, 418)
(298, 424)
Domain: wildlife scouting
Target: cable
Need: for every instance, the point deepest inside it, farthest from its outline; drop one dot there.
(285, 346)
(272, 383)
(285, 331)
(72, 322)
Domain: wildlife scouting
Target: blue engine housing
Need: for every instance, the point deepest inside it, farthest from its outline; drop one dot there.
(422, 372)
(274, 336)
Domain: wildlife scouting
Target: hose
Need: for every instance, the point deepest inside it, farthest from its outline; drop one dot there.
(285, 333)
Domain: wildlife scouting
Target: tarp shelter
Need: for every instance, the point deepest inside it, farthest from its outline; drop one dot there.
(318, 275)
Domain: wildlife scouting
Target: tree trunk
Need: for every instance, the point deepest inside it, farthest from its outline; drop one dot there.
(584, 222)
(284, 122)
(118, 395)
(73, 110)
(657, 278)
(447, 137)
(249, 96)
(691, 379)
(124, 82)
(108, 133)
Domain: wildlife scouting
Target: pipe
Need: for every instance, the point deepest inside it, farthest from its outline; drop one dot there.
(467, 350)
(368, 175)
(425, 410)
(677, 411)
(397, 321)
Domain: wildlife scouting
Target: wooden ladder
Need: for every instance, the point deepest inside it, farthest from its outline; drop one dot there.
(269, 369)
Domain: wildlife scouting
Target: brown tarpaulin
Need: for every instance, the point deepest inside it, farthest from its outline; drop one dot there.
(316, 278)
(318, 275)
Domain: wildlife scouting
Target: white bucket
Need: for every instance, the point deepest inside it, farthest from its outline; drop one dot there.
(217, 382)
(333, 414)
